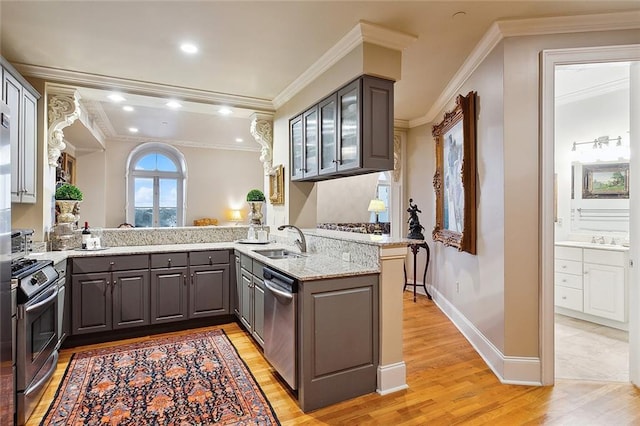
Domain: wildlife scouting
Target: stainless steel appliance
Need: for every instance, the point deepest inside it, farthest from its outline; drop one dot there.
(36, 330)
(280, 312)
(7, 360)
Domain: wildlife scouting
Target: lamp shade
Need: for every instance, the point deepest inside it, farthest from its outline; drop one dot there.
(376, 205)
(236, 216)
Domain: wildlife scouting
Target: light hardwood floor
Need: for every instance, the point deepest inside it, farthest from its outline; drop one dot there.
(448, 384)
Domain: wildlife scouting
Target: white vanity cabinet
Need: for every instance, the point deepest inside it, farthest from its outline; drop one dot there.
(604, 284)
(591, 283)
(568, 278)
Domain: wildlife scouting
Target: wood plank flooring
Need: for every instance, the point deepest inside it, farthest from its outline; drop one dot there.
(448, 384)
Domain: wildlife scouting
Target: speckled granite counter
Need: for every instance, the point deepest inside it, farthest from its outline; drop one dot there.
(311, 267)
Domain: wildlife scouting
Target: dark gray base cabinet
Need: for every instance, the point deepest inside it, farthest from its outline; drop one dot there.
(189, 286)
(109, 300)
(115, 292)
(250, 289)
(337, 340)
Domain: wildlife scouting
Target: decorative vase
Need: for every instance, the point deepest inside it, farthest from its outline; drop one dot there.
(67, 211)
(255, 212)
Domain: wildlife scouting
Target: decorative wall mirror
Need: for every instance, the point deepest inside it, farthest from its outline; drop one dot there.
(454, 181)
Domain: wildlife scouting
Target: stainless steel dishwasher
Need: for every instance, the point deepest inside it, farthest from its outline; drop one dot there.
(280, 312)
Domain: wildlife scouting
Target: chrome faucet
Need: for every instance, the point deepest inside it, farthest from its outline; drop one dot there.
(302, 242)
(601, 240)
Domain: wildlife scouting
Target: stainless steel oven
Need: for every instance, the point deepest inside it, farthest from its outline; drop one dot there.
(36, 331)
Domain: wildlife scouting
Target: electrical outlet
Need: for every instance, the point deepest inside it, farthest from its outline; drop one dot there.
(346, 256)
(458, 287)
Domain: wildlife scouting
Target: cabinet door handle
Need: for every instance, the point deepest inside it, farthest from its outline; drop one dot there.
(112, 263)
(564, 266)
(185, 279)
(586, 272)
(104, 293)
(191, 279)
(169, 262)
(564, 297)
(210, 261)
(564, 280)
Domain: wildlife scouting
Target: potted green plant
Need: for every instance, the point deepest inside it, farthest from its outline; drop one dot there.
(255, 198)
(67, 197)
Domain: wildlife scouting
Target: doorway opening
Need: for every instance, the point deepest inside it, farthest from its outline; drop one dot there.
(590, 302)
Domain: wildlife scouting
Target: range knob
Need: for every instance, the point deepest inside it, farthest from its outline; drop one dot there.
(33, 281)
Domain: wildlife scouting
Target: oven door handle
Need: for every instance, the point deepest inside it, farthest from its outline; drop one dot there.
(44, 302)
(46, 377)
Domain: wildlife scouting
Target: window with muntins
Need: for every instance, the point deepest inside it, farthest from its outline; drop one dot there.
(156, 178)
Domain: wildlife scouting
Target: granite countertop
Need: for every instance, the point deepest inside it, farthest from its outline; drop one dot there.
(589, 245)
(310, 267)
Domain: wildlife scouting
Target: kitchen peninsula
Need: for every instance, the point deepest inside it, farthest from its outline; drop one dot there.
(329, 290)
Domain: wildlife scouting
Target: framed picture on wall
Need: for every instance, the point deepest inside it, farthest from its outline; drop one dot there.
(605, 180)
(68, 165)
(454, 181)
(276, 186)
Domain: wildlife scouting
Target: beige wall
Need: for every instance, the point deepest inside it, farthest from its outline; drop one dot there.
(480, 277)
(346, 199)
(217, 181)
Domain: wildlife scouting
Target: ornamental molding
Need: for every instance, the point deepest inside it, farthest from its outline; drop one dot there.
(63, 109)
(397, 157)
(262, 131)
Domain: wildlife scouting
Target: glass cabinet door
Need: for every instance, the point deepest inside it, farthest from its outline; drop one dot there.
(349, 140)
(310, 143)
(296, 148)
(327, 147)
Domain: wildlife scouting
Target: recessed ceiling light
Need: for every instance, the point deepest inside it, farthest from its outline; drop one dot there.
(174, 104)
(127, 108)
(239, 140)
(133, 129)
(116, 97)
(189, 48)
(225, 111)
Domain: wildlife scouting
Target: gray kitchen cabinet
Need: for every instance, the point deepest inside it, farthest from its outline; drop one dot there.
(209, 291)
(107, 294)
(237, 286)
(337, 340)
(348, 133)
(189, 285)
(22, 100)
(251, 303)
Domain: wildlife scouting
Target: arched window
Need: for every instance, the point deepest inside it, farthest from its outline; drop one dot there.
(156, 181)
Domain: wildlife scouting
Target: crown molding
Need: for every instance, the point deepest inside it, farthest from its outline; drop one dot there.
(400, 124)
(143, 87)
(362, 32)
(525, 27)
(184, 143)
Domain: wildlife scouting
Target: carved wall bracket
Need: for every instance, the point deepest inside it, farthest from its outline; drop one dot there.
(63, 110)
(397, 157)
(262, 131)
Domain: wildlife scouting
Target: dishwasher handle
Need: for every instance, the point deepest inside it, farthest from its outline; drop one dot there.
(272, 288)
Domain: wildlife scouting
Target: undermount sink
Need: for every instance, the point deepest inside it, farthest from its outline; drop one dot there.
(279, 254)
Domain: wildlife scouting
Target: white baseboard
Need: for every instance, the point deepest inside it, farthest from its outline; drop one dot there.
(508, 369)
(392, 378)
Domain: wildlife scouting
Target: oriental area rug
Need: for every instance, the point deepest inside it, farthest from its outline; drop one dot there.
(196, 379)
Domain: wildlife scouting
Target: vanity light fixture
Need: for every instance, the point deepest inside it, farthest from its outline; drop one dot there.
(127, 108)
(189, 48)
(116, 97)
(133, 129)
(225, 111)
(174, 104)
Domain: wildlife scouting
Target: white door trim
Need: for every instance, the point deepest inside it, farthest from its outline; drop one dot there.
(549, 60)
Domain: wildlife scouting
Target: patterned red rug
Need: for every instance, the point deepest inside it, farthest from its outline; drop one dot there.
(195, 379)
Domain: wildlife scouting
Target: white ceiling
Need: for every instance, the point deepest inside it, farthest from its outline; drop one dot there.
(249, 50)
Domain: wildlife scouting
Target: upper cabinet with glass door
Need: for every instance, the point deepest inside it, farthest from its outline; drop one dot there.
(351, 132)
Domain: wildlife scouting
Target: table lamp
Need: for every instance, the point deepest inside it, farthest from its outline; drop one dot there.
(376, 205)
(236, 216)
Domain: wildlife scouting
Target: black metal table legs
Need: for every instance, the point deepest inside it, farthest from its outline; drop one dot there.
(415, 248)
